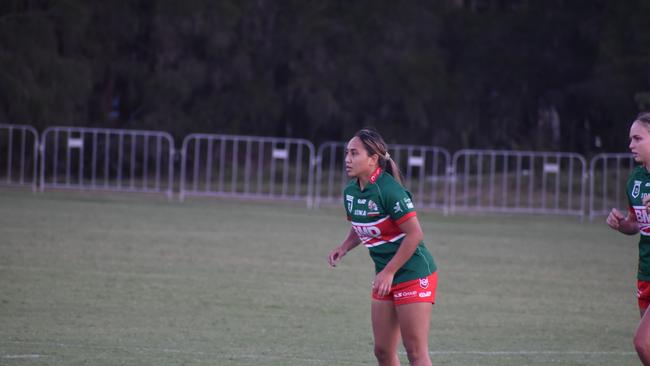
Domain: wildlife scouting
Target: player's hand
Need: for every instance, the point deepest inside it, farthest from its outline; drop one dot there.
(335, 256)
(614, 219)
(382, 283)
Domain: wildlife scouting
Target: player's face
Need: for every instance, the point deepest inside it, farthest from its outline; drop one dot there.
(357, 161)
(640, 142)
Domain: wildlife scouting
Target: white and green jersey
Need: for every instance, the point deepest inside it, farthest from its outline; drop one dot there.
(638, 187)
(376, 213)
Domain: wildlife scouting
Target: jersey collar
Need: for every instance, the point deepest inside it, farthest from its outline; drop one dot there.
(373, 178)
(375, 175)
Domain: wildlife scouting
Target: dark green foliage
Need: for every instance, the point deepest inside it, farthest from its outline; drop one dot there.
(521, 74)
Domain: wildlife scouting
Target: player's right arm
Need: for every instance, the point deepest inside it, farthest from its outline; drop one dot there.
(624, 224)
(348, 244)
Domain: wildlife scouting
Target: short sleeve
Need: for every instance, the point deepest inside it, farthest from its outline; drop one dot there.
(399, 204)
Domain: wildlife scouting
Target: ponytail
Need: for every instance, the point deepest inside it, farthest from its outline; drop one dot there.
(392, 169)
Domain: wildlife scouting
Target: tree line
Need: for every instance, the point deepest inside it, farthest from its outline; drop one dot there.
(504, 74)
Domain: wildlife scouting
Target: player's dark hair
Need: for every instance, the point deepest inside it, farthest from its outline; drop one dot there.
(644, 117)
(374, 144)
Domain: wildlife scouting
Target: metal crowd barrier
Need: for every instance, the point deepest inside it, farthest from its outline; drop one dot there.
(282, 168)
(18, 155)
(608, 174)
(107, 159)
(518, 182)
(247, 166)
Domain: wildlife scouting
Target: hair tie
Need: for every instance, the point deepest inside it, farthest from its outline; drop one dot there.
(386, 155)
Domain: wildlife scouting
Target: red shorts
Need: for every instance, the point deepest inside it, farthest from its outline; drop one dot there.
(419, 290)
(643, 293)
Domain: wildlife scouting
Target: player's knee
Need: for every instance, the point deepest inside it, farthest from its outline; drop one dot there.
(642, 344)
(383, 353)
(416, 352)
(417, 358)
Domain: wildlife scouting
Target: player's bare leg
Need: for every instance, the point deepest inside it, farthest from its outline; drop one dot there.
(385, 329)
(414, 322)
(642, 338)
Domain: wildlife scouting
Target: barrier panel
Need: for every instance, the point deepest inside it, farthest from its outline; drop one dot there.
(424, 168)
(518, 182)
(608, 174)
(247, 166)
(282, 168)
(18, 155)
(107, 159)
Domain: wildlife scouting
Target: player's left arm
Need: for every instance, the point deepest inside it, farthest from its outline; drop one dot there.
(384, 279)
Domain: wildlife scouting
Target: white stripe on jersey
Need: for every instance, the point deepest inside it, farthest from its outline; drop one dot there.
(370, 223)
(394, 239)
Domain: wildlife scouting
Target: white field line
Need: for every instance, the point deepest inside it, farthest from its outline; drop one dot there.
(223, 355)
(94, 272)
(22, 356)
(234, 355)
(533, 353)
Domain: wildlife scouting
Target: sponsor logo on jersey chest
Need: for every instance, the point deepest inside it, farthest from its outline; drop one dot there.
(372, 206)
(367, 231)
(373, 210)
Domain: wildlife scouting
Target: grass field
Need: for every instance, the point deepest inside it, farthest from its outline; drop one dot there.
(102, 279)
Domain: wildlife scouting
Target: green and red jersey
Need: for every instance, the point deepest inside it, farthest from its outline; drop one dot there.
(638, 187)
(376, 213)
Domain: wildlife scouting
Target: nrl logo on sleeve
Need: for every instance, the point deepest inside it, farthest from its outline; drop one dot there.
(408, 203)
(397, 207)
(636, 189)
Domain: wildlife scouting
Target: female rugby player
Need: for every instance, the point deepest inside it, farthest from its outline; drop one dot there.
(384, 219)
(638, 220)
